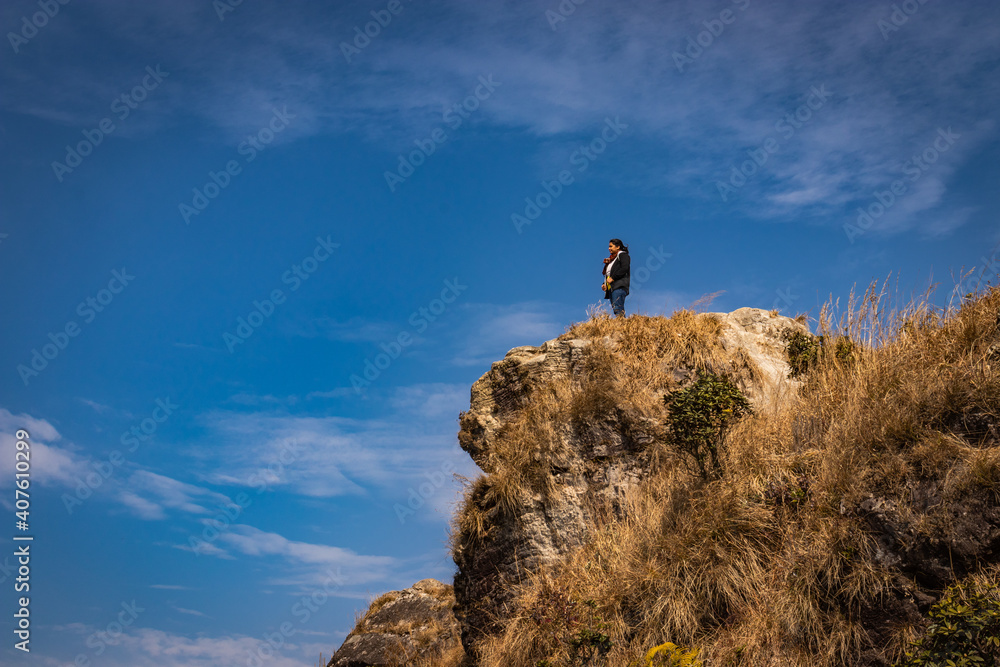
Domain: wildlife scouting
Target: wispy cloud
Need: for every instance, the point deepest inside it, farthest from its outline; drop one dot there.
(99, 408)
(247, 398)
(612, 60)
(335, 456)
(254, 542)
(489, 331)
(149, 646)
(431, 401)
(51, 464)
(339, 392)
(190, 612)
(149, 495)
(353, 330)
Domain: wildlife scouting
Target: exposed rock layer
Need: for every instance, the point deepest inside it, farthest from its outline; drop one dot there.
(599, 462)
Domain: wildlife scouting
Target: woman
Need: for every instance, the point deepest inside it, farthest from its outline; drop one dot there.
(616, 276)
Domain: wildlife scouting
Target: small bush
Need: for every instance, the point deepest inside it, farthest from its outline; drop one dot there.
(589, 645)
(804, 351)
(965, 630)
(700, 414)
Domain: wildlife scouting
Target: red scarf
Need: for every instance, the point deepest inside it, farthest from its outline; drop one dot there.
(608, 260)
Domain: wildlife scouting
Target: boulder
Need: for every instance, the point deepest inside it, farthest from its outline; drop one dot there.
(409, 627)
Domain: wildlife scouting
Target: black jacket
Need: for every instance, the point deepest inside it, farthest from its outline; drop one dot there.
(620, 274)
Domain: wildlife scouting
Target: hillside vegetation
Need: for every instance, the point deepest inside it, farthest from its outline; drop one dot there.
(813, 528)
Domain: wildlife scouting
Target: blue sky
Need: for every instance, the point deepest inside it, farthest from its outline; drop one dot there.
(216, 219)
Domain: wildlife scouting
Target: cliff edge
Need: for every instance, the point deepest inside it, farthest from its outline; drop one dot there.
(727, 488)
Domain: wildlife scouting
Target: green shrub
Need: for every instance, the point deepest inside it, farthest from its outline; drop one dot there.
(698, 416)
(589, 645)
(965, 630)
(805, 350)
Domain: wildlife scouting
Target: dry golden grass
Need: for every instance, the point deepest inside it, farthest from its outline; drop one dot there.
(420, 650)
(361, 622)
(768, 564)
(452, 657)
(634, 375)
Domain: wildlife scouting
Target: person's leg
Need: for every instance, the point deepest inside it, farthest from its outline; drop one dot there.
(618, 302)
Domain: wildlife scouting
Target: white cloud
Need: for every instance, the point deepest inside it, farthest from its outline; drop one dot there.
(431, 401)
(358, 568)
(334, 456)
(247, 398)
(489, 331)
(149, 495)
(605, 60)
(141, 507)
(206, 548)
(354, 330)
(339, 392)
(190, 612)
(99, 408)
(51, 464)
(148, 646)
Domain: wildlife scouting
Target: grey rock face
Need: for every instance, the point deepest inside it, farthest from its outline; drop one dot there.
(403, 628)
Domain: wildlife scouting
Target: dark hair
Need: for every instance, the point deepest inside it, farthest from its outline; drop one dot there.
(620, 244)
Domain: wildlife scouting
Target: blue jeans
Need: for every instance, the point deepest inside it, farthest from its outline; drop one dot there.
(618, 301)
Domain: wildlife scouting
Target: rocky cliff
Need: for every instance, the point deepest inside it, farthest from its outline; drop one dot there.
(816, 525)
(590, 463)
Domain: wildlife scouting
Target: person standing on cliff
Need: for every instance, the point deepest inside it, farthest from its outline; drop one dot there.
(616, 276)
